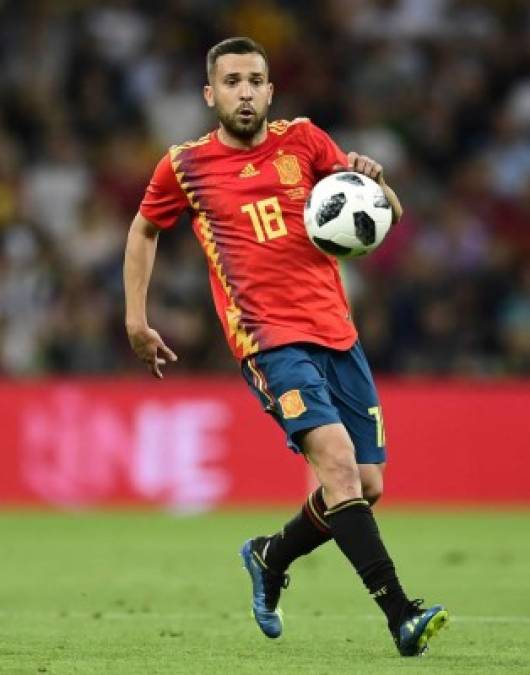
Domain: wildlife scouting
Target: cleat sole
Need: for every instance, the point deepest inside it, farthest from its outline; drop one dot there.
(271, 636)
(433, 627)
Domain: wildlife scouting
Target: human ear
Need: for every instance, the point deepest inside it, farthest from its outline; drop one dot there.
(209, 96)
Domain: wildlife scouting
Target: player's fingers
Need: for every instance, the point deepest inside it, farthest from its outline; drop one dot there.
(168, 352)
(144, 350)
(352, 159)
(360, 165)
(376, 171)
(155, 369)
(146, 355)
(369, 165)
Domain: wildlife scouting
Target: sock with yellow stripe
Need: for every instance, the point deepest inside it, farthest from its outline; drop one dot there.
(355, 531)
(301, 535)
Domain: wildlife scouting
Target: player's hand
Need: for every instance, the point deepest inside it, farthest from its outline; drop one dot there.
(365, 165)
(147, 343)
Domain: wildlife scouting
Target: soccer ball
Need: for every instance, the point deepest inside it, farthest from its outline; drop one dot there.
(347, 214)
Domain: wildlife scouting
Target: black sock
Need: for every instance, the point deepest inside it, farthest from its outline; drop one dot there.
(356, 533)
(301, 535)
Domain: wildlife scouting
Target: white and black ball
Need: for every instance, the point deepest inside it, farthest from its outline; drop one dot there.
(347, 214)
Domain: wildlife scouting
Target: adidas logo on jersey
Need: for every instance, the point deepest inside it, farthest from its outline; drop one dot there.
(248, 171)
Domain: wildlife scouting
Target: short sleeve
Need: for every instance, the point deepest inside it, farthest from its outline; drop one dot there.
(164, 200)
(327, 153)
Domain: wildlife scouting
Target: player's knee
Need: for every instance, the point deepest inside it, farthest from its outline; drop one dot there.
(338, 472)
(373, 492)
(331, 452)
(372, 481)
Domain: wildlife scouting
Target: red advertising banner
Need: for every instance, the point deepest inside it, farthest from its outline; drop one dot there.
(202, 443)
(460, 442)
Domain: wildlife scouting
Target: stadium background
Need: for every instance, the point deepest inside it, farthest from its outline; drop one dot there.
(91, 95)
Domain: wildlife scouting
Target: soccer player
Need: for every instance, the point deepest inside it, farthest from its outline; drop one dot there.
(286, 319)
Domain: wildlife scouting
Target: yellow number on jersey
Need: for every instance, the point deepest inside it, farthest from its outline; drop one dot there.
(267, 219)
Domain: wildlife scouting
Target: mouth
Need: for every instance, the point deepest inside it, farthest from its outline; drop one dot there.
(246, 113)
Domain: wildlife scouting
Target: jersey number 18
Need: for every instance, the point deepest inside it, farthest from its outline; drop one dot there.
(266, 218)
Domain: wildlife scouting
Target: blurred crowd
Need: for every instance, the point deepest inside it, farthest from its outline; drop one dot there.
(438, 91)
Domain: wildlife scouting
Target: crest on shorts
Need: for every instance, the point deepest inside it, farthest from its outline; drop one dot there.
(288, 169)
(292, 403)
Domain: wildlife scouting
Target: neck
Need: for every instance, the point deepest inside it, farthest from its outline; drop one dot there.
(242, 143)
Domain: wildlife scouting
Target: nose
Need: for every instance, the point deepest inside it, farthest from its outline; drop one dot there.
(245, 91)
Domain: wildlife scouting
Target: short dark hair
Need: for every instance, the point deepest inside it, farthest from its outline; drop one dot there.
(235, 45)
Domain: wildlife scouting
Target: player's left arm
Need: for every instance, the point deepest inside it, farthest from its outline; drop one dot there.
(369, 167)
(328, 157)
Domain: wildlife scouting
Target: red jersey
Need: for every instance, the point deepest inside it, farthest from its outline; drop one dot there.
(270, 285)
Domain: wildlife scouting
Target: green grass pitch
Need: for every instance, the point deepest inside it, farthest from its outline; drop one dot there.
(149, 593)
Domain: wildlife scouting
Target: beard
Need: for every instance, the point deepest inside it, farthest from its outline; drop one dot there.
(239, 127)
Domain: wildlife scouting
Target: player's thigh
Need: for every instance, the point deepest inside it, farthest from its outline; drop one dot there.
(291, 386)
(353, 392)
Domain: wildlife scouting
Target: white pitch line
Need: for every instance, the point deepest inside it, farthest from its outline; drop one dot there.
(475, 619)
(493, 619)
(102, 614)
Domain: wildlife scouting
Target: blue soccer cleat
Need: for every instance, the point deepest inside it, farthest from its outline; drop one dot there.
(266, 588)
(413, 635)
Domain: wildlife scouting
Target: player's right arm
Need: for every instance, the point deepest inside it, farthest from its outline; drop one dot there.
(161, 207)
(137, 269)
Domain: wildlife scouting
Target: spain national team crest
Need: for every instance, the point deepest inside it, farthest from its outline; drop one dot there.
(288, 169)
(292, 403)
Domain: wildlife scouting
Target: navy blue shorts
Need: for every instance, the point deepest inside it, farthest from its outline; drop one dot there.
(305, 386)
